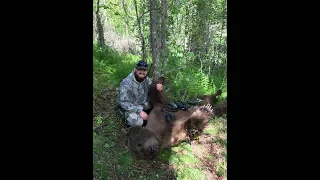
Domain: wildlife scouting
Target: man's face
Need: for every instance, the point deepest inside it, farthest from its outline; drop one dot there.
(140, 74)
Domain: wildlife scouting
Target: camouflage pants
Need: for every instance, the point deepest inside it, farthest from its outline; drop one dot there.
(134, 119)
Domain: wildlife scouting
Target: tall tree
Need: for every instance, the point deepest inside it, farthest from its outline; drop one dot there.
(143, 46)
(126, 17)
(163, 47)
(99, 27)
(154, 39)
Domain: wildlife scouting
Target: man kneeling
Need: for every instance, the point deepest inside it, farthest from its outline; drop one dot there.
(133, 93)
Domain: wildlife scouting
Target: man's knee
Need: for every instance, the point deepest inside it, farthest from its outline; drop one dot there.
(134, 119)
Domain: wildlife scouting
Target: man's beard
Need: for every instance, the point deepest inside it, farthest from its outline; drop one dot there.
(138, 78)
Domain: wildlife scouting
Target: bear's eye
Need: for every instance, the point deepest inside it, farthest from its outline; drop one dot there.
(139, 145)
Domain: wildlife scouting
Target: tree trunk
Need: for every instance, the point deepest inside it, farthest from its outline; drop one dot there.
(142, 19)
(99, 27)
(95, 36)
(153, 37)
(186, 29)
(164, 50)
(126, 18)
(143, 46)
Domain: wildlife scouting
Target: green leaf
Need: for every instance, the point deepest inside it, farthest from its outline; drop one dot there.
(106, 145)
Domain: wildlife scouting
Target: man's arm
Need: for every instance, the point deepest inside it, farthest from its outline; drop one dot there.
(125, 102)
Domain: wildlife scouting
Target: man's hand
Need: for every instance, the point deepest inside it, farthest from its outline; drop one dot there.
(143, 115)
(159, 87)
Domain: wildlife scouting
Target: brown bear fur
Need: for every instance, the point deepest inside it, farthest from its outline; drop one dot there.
(188, 123)
(160, 133)
(209, 99)
(146, 142)
(155, 96)
(218, 109)
(142, 142)
(156, 121)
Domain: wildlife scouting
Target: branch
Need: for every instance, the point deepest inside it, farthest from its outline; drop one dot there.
(95, 128)
(184, 95)
(98, 2)
(178, 26)
(125, 10)
(147, 12)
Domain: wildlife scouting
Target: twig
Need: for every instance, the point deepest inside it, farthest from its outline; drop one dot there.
(142, 14)
(95, 128)
(141, 172)
(184, 95)
(125, 10)
(223, 80)
(103, 86)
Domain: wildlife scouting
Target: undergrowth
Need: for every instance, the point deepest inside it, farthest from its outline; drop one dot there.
(111, 160)
(183, 81)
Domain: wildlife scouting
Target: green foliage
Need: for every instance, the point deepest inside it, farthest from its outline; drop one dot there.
(110, 67)
(183, 81)
(182, 157)
(196, 65)
(111, 160)
(212, 130)
(221, 169)
(190, 82)
(125, 162)
(190, 173)
(98, 120)
(115, 14)
(186, 81)
(107, 154)
(183, 153)
(100, 169)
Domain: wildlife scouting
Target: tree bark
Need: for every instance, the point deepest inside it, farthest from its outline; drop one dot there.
(99, 27)
(127, 16)
(153, 37)
(143, 46)
(164, 50)
(186, 30)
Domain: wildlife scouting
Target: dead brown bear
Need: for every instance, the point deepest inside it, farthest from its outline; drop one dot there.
(159, 133)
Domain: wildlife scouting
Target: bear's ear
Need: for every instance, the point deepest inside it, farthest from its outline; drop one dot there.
(219, 92)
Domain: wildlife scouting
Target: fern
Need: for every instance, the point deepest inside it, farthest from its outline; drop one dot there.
(183, 81)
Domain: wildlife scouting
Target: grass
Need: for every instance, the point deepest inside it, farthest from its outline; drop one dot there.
(112, 160)
(184, 162)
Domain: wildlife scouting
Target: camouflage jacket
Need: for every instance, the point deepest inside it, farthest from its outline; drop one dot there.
(133, 94)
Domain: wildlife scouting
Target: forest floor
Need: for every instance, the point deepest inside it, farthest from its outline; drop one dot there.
(205, 158)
